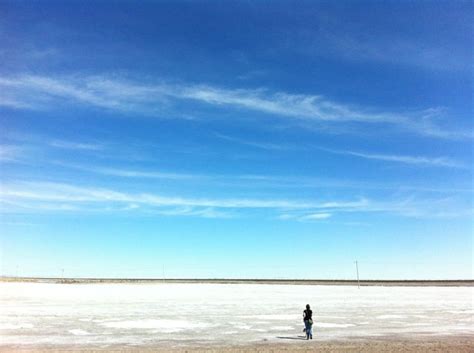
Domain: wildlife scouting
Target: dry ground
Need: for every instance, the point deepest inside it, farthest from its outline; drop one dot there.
(442, 345)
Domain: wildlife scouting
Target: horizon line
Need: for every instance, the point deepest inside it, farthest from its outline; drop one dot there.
(362, 282)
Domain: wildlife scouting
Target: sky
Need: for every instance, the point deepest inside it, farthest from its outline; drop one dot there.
(237, 139)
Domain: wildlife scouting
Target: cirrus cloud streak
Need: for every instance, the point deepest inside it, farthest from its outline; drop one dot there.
(48, 196)
(160, 99)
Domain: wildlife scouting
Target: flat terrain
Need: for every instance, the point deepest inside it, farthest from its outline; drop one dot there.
(233, 317)
(451, 345)
(324, 282)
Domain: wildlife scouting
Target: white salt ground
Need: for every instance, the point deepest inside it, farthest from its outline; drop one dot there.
(79, 332)
(189, 314)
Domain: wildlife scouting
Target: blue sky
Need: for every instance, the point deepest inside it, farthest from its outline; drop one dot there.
(236, 139)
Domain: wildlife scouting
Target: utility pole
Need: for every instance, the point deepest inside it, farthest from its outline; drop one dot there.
(357, 270)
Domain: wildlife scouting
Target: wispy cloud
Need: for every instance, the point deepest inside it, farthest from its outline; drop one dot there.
(9, 153)
(406, 207)
(144, 174)
(70, 193)
(151, 99)
(259, 180)
(342, 36)
(306, 217)
(132, 173)
(206, 212)
(261, 145)
(75, 145)
(252, 75)
(50, 197)
(413, 160)
(10, 102)
(446, 207)
(45, 196)
(315, 216)
(394, 51)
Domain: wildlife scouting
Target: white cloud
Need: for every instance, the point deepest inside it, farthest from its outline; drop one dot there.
(54, 192)
(413, 160)
(50, 197)
(8, 153)
(261, 145)
(361, 203)
(286, 216)
(14, 103)
(129, 173)
(258, 180)
(152, 99)
(394, 51)
(315, 216)
(207, 212)
(75, 145)
(143, 174)
(44, 196)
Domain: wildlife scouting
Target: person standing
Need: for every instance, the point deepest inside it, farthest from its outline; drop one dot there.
(308, 322)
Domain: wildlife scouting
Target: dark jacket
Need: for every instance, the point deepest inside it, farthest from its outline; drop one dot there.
(307, 314)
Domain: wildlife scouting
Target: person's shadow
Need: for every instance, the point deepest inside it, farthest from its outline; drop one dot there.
(292, 338)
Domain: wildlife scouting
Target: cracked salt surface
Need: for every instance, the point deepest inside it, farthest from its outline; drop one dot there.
(190, 314)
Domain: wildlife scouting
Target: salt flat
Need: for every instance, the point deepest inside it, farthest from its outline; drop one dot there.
(184, 315)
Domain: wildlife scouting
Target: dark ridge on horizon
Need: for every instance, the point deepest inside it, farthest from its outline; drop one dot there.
(92, 280)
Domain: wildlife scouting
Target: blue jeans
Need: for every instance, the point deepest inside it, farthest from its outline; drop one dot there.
(309, 329)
